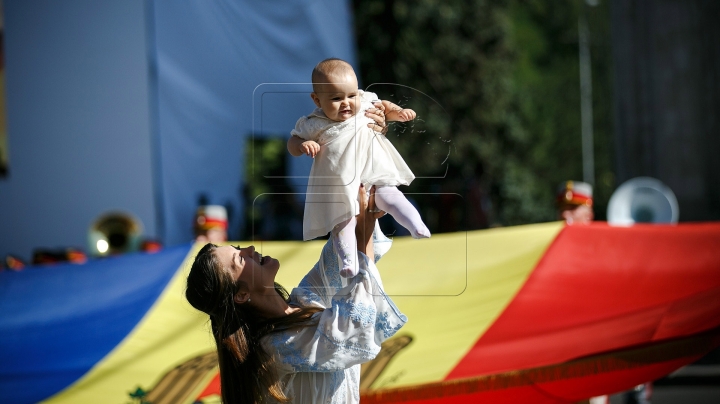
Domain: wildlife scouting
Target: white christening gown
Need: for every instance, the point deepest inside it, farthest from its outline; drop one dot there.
(350, 154)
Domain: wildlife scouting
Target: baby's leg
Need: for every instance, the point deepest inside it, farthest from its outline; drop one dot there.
(392, 201)
(343, 236)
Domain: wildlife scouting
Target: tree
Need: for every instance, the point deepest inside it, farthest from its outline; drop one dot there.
(495, 84)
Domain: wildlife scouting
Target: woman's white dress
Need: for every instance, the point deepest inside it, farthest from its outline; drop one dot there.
(321, 363)
(350, 154)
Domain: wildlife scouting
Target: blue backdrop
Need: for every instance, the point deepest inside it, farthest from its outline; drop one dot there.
(78, 115)
(141, 106)
(218, 68)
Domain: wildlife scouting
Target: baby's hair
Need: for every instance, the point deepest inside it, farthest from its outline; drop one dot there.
(326, 68)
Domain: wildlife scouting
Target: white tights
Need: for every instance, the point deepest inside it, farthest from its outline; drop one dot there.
(390, 200)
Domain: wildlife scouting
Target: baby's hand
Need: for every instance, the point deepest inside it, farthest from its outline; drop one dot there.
(406, 114)
(310, 147)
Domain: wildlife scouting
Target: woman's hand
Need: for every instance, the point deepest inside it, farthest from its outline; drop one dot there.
(377, 114)
(368, 210)
(366, 221)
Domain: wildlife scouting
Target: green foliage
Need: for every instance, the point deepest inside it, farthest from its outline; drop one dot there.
(502, 85)
(138, 396)
(265, 160)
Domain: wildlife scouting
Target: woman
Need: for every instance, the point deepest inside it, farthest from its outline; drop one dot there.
(307, 347)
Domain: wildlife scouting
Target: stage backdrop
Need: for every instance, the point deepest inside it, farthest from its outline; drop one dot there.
(78, 117)
(215, 63)
(143, 106)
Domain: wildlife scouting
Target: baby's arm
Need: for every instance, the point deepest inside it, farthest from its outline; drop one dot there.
(298, 146)
(394, 112)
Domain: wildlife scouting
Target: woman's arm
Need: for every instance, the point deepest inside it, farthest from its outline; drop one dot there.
(366, 222)
(357, 318)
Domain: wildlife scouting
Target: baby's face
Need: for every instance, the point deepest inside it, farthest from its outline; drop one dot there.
(339, 99)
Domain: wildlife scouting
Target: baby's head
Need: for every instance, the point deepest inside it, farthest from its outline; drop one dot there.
(335, 89)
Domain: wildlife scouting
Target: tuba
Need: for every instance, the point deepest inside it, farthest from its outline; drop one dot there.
(114, 233)
(642, 200)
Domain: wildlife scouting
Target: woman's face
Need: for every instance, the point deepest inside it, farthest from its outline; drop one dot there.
(247, 265)
(583, 214)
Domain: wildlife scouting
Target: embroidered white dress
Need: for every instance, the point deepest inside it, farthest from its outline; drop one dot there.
(350, 154)
(321, 364)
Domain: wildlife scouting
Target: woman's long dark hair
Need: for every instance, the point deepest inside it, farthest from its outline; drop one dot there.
(247, 372)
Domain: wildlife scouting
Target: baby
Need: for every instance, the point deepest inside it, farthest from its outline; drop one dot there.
(348, 153)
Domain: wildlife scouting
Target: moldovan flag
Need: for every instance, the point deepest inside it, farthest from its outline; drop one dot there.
(542, 313)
